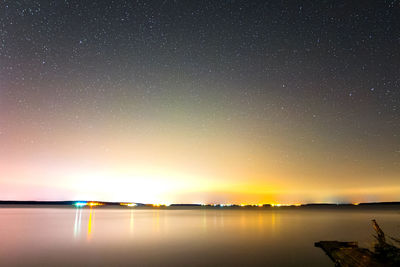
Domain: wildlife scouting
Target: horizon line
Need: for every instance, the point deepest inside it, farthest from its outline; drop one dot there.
(72, 202)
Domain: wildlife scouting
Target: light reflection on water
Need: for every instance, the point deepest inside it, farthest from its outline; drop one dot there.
(132, 222)
(91, 218)
(103, 236)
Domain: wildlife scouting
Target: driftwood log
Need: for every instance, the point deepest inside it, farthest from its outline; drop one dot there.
(386, 252)
(348, 254)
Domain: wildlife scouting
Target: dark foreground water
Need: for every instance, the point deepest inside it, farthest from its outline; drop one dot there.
(191, 237)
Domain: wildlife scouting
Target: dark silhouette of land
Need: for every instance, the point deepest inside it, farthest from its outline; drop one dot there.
(17, 203)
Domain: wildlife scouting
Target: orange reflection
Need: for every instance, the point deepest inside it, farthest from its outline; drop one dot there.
(89, 233)
(273, 221)
(204, 221)
(131, 222)
(261, 222)
(156, 221)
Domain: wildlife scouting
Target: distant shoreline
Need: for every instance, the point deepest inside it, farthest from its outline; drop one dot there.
(105, 204)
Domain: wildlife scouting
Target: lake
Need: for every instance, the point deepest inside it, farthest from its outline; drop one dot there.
(65, 236)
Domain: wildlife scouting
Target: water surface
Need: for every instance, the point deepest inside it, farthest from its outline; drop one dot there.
(181, 237)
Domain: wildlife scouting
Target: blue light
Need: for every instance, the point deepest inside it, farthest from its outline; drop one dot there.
(80, 204)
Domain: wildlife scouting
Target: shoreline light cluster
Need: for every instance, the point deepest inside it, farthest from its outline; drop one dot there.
(81, 204)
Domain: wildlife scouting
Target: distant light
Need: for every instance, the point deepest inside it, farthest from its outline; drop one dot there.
(159, 205)
(128, 204)
(80, 204)
(95, 204)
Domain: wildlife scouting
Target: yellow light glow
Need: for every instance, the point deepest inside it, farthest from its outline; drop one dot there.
(128, 204)
(179, 164)
(92, 204)
(160, 205)
(89, 232)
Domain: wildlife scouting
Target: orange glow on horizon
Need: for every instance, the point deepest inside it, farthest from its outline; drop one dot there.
(93, 204)
(167, 169)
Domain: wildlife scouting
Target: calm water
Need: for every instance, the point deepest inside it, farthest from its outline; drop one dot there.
(220, 237)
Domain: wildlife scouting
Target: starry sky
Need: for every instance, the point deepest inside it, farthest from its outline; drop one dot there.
(200, 101)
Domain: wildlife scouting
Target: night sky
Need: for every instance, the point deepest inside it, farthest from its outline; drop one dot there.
(200, 101)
